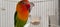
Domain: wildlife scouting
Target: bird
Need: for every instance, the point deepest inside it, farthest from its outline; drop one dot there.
(22, 13)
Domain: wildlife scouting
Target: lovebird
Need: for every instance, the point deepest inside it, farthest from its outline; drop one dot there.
(22, 13)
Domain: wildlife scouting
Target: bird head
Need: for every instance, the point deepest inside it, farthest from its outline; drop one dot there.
(25, 0)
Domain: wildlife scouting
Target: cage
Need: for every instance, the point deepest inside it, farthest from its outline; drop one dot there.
(43, 14)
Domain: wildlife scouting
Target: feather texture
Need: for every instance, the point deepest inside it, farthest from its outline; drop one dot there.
(21, 14)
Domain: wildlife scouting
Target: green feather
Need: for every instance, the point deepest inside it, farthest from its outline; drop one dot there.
(18, 22)
(15, 18)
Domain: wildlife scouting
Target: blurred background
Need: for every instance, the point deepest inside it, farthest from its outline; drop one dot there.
(46, 9)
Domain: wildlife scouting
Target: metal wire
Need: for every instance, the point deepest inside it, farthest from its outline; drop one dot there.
(31, 1)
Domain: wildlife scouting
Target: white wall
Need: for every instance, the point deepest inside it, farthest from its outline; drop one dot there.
(42, 9)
